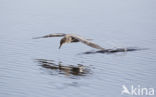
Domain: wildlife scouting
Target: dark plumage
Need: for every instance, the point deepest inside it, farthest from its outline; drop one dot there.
(69, 38)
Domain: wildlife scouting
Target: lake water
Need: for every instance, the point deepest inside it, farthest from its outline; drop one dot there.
(111, 24)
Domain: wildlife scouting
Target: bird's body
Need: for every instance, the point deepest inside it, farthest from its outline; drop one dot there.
(69, 38)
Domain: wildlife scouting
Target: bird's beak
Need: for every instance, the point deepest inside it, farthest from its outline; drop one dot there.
(60, 46)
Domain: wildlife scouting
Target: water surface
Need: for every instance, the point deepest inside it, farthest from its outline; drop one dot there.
(111, 24)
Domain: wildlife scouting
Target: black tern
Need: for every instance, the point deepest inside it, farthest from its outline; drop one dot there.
(69, 38)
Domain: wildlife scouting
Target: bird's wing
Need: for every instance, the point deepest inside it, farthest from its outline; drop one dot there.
(51, 35)
(85, 41)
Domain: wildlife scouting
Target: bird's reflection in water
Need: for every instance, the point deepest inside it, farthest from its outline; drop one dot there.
(79, 69)
(117, 50)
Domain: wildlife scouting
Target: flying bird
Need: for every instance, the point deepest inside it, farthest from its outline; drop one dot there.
(70, 38)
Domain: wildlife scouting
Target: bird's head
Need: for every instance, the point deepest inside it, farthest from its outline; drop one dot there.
(63, 40)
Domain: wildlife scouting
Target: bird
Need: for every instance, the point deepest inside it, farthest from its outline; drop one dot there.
(70, 38)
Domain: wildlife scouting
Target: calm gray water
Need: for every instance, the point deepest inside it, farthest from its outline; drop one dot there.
(111, 24)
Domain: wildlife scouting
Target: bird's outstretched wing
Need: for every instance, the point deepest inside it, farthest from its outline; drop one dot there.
(85, 41)
(51, 35)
